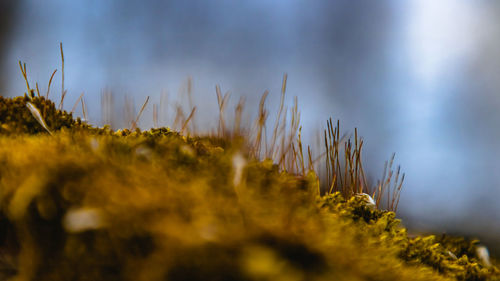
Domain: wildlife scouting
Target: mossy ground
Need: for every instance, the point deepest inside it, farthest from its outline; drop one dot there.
(92, 204)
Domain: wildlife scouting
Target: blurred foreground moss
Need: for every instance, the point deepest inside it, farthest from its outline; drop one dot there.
(92, 204)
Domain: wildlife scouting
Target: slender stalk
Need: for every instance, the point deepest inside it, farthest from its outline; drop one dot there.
(63, 91)
(50, 82)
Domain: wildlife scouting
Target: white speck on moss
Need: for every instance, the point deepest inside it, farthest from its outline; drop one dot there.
(187, 151)
(144, 152)
(36, 114)
(483, 254)
(94, 144)
(452, 255)
(367, 199)
(78, 220)
(239, 163)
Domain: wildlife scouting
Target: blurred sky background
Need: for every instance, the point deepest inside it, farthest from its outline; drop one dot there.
(419, 78)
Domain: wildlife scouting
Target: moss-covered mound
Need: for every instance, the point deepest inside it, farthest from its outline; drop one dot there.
(92, 204)
(16, 117)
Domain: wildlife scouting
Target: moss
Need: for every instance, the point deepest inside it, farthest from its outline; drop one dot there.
(451, 256)
(16, 118)
(93, 204)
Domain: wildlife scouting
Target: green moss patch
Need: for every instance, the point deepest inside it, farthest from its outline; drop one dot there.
(93, 204)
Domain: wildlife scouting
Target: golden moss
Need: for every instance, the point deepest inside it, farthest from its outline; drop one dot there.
(15, 117)
(93, 204)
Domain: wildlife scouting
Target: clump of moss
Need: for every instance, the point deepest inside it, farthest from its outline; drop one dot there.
(451, 256)
(95, 204)
(454, 257)
(16, 118)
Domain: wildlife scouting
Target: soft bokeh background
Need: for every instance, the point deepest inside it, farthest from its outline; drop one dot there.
(419, 78)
